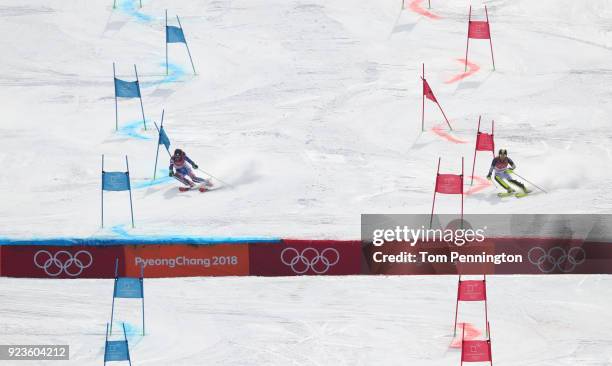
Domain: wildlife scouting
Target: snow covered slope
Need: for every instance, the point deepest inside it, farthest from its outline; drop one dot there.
(535, 320)
(311, 108)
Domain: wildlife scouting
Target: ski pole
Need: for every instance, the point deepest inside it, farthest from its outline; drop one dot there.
(525, 179)
(496, 184)
(212, 176)
(492, 180)
(175, 177)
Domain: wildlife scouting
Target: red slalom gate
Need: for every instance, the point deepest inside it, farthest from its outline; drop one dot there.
(428, 93)
(447, 184)
(472, 290)
(478, 29)
(476, 350)
(484, 142)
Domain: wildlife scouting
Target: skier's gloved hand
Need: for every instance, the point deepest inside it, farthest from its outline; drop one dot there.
(171, 174)
(509, 171)
(489, 176)
(194, 165)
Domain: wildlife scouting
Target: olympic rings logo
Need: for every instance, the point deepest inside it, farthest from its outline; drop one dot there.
(63, 262)
(556, 258)
(310, 259)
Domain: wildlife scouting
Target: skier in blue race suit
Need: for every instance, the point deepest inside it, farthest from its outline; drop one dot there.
(180, 170)
(503, 167)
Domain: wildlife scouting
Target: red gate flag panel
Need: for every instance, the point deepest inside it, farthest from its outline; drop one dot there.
(472, 290)
(484, 142)
(476, 351)
(427, 92)
(479, 29)
(449, 184)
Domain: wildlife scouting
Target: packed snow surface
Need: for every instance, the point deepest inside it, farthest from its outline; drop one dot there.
(378, 320)
(310, 109)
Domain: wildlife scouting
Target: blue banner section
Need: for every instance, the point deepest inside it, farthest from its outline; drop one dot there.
(163, 138)
(128, 288)
(116, 351)
(174, 35)
(127, 89)
(139, 240)
(115, 181)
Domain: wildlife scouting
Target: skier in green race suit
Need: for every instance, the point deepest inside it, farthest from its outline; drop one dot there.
(503, 167)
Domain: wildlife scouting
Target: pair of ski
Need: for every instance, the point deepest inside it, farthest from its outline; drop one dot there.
(202, 188)
(515, 194)
(205, 185)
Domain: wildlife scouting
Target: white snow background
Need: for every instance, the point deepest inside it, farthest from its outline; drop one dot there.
(312, 110)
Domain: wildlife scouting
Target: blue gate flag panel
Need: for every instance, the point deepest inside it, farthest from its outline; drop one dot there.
(116, 351)
(163, 138)
(115, 181)
(127, 89)
(174, 35)
(128, 288)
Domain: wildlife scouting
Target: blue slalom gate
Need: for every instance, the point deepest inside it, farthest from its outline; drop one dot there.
(175, 34)
(127, 89)
(116, 181)
(117, 350)
(128, 288)
(163, 139)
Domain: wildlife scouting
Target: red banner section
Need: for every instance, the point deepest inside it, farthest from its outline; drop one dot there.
(41, 261)
(306, 257)
(179, 260)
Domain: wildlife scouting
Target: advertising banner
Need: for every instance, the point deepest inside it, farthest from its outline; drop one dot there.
(181, 260)
(306, 257)
(42, 261)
